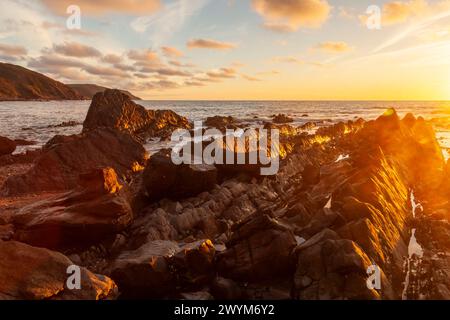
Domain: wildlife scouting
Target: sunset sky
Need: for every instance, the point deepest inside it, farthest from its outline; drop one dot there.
(237, 49)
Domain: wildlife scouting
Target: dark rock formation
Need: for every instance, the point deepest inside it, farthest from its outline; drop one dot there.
(7, 146)
(96, 209)
(65, 157)
(221, 123)
(29, 273)
(282, 118)
(115, 110)
(162, 178)
(258, 249)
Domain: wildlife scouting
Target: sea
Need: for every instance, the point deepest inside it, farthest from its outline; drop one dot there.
(39, 121)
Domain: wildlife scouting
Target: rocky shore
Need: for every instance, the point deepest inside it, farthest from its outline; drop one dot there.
(143, 227)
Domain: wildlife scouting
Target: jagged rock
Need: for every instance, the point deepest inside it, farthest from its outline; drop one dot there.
(258, 249)
(412, 142)
(193, 262)
(311, 175)
(7, 146)
(146, 270)
(78, 218)
(330, 268)
(282, 118)
(162, 178)
(65, 157)
(221, 123)
(114, 109)
(6, 232)
(39, 274)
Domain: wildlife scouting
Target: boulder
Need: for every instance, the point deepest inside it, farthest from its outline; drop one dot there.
(194, 263)
(7, 146)
(98, 208)
(145, 272)
(282, 118)
(115, 110)
(65, 157)
(260, 248)
(221, 123)
(29, 273)
(332, 268)
(164, 179)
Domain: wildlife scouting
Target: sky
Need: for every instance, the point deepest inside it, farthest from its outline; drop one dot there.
(237, 49)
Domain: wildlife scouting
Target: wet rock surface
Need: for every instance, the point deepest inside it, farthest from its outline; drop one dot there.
(7, 146)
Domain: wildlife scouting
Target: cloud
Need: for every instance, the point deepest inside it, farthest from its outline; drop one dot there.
(165, 23)
(250, 78)
(104, 71)
(144, 58)
(13, 50)
(287, 59)
(222, 73)
(172, 52)
(101, 7)
(415, 29)
(269, 73)
(46, 25)
(210, 44)
(45, 62)
(75, 49)
(279, 27)
(333, 47)
(112, 58)
(159, 85)
(399, 12)
(181, 65)
(291, 15)
(166, 72)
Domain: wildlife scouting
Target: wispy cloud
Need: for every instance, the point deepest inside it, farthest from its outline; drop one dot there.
(166, 22)
(101, 7)
(411, 30)
(210, 44)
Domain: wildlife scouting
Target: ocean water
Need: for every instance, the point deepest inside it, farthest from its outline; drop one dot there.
(38, 121)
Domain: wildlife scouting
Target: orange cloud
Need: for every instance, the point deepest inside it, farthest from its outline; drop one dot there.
(333, 47)
(288, 59)
(223, 73)
(75, 49)
(172, 52)
(99, 7)
(398, 11)
(291, 15)
(7, 49)
(210, 44)
(146, 58)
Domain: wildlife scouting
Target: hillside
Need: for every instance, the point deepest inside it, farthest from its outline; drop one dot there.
(18, 83)
(89, 90)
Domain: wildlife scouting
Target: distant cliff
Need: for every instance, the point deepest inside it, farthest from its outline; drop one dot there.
(89, 90)
(18, 83)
